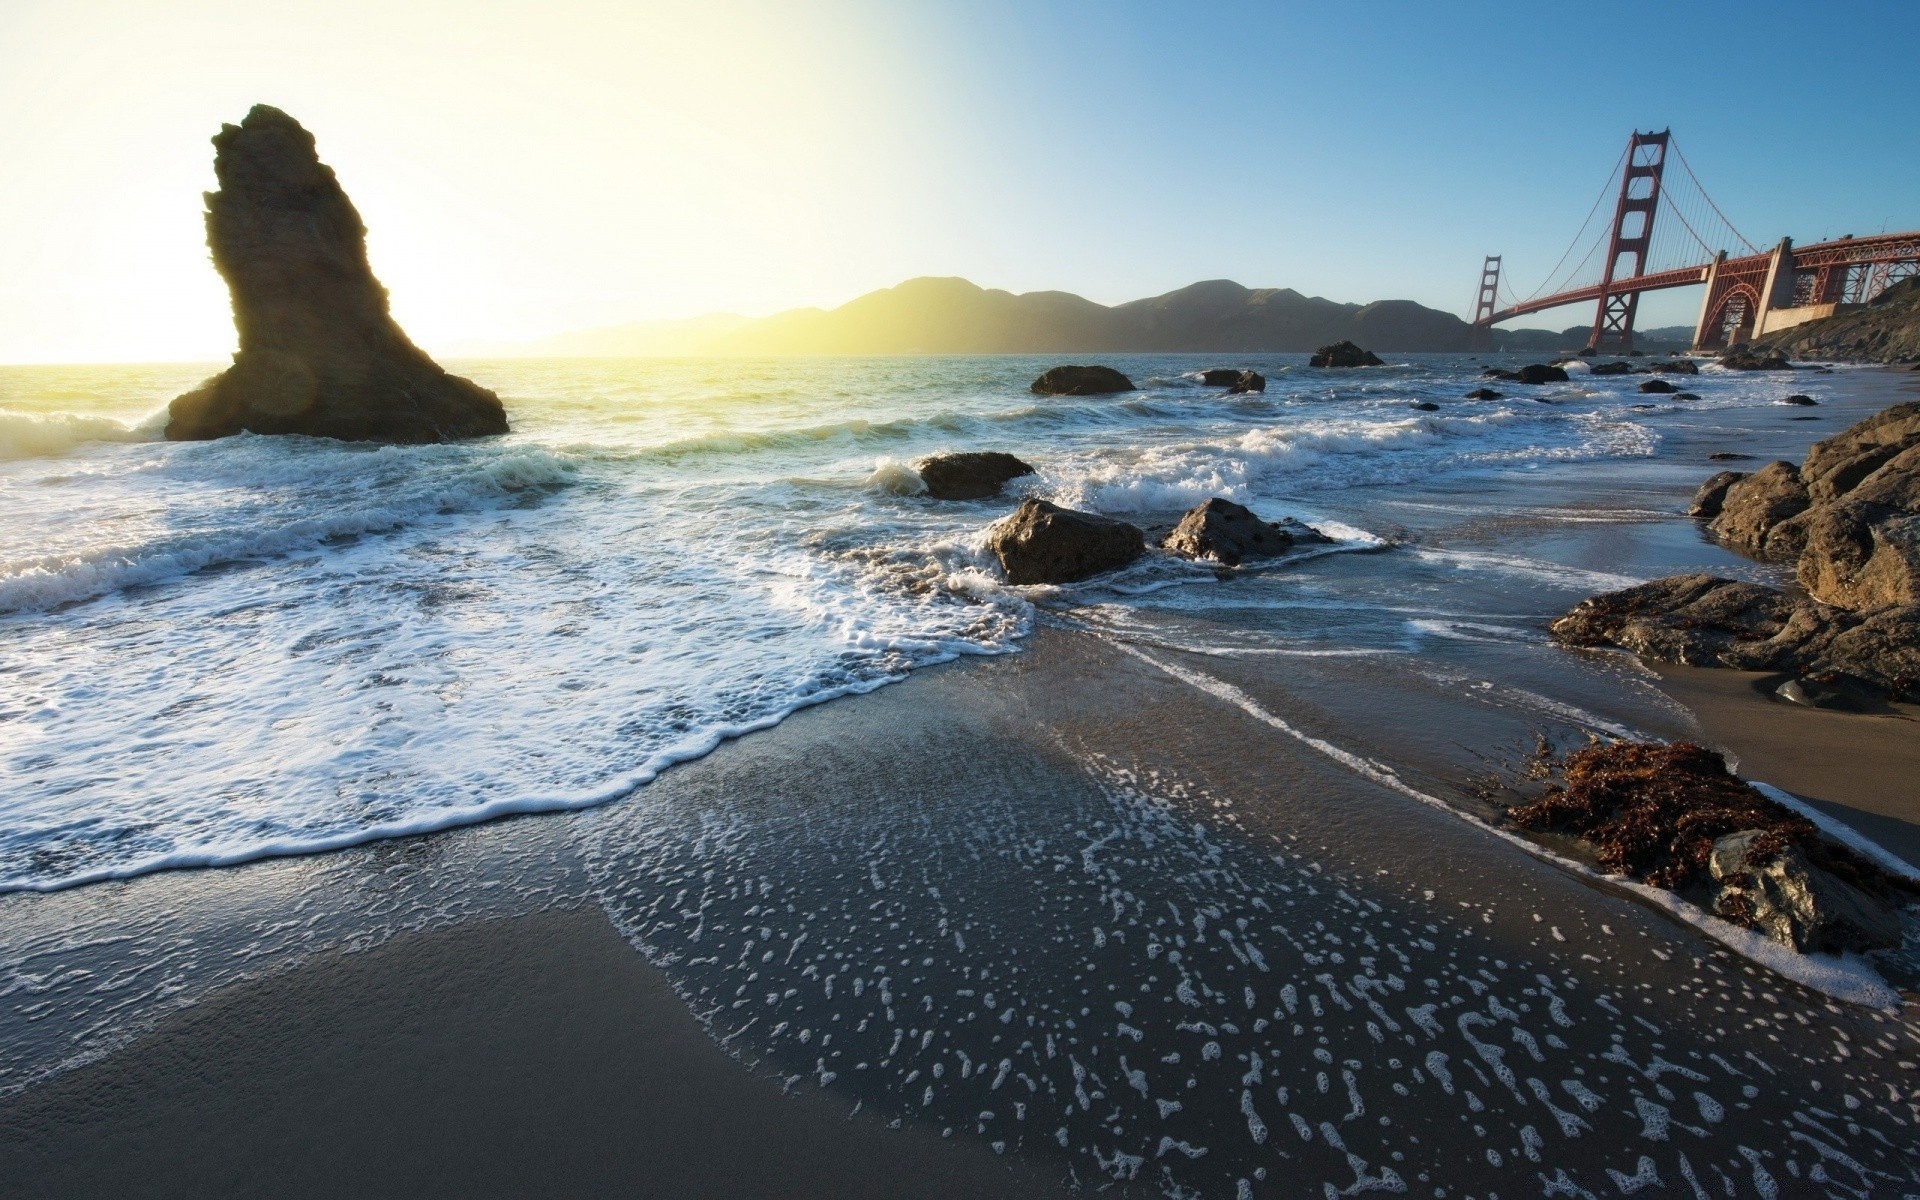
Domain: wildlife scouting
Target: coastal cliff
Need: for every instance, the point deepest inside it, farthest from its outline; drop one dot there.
(1885, 331)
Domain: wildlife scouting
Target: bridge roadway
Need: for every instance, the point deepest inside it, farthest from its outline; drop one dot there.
(1744, 292)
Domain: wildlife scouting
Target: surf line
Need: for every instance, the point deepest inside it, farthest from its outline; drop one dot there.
(1850, 979)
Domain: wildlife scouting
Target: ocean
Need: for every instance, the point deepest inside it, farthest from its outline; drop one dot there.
(1182, 881)
(220, 651)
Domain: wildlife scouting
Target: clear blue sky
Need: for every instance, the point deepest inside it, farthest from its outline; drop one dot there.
(533, 166)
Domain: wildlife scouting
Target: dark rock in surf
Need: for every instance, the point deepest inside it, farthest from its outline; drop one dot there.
(1424, 406)
(1344, 354)
(1686, 396)
(1744, 360)
(1229, 533)
(1249, 381)
(1679, 366)
(1081, 381)
(1658, 387)
(320, 354)
(1044, 543)
(1727, 456)
(1800, 401)
(1539, 373)
(1611, 368)
(1483, 393)
(974, 475)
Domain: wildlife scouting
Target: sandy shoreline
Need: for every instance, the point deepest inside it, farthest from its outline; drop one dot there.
(1366, 988)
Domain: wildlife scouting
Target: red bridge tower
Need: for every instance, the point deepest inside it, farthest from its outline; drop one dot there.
(1632, 232)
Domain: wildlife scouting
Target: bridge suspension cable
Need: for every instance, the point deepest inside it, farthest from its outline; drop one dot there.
(1728, 225)
(1606, 189)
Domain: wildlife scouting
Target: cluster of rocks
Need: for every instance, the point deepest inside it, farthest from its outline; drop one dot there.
(1045, 543)
(1675, 817)
(1746, 359)
(319, 352)
(1848, 518)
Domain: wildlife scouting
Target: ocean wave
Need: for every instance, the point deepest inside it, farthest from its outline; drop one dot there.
(370, 505)
(50, 435)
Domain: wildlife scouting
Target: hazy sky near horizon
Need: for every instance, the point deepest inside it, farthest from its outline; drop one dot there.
(529, 168)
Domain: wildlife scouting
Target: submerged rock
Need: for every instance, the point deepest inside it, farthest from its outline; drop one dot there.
(1483, 393)
(319, 352)
(1044, 543)
(1081, 381)
(1423, 406)
(1229, 533)
(974, 475)
(1344, 354)
(1799, 400)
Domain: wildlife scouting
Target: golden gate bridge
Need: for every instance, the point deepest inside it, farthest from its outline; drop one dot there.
(1749, 291)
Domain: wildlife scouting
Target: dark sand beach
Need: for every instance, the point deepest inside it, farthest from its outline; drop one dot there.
(1152, 904)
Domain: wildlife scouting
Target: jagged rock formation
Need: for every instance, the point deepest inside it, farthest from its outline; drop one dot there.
(1228, 533)
(1044, 543)
(971, 476)
(319, 352)
(1344, 354)
(1081, 381)
(1887, 330)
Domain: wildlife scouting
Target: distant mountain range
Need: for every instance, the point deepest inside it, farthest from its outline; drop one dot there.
(953, 316)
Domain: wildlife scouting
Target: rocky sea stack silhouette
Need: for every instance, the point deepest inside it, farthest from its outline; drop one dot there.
(319, 352)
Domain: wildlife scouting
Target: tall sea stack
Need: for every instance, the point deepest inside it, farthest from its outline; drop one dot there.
(319, 352)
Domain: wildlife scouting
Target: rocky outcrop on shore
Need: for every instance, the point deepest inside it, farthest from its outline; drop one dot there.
(1750, 358)
(1044, 543)
(1848, 518)
(1674, 817)
(1221, 531)
(320, 354)
(1081, 381)
(1344, 354)
(973, 475)
(1885, 331)
(1708, 621)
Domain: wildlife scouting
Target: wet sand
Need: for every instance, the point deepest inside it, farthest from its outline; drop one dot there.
(534, 1056)
(1861, 768)
(1425, 1007)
